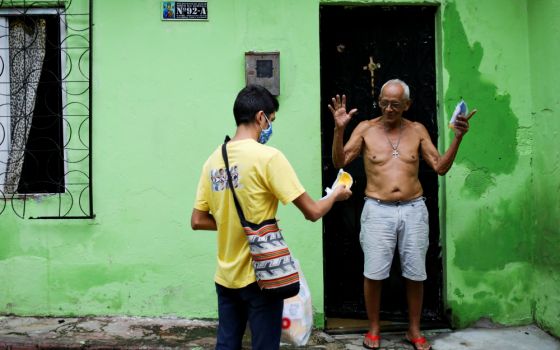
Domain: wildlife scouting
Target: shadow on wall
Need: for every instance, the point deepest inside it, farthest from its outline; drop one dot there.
(491, 147)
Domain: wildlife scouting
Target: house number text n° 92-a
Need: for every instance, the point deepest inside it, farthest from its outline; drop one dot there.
(184, 10)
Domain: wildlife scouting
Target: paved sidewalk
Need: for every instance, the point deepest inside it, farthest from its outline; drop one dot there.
(19, 333)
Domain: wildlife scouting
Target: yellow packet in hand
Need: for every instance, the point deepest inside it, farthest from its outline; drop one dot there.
(343, 178)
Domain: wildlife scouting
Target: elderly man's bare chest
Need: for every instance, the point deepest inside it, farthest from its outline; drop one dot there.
(381, 147)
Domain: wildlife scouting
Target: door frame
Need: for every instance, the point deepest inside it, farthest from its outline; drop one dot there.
(443, 140)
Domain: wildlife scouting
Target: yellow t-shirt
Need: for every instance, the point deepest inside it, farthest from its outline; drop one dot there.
(261, 176)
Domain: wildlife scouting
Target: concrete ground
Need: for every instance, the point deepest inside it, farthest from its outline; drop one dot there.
(18, 333)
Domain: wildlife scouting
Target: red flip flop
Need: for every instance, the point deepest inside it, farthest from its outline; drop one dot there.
(372, 338)
(417, 341)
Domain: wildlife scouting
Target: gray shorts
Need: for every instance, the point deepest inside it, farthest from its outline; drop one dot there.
(384, 224)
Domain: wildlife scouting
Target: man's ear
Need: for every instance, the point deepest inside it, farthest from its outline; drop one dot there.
(260, 117)
(407, 104)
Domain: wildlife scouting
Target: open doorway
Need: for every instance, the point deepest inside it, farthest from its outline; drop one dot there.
(361, 48)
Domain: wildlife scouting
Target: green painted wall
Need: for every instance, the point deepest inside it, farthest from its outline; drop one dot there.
(163, 95)
(488, 227)
(501, 198)
(544, 48)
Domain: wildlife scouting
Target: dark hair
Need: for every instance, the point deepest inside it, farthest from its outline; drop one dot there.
(252, 99)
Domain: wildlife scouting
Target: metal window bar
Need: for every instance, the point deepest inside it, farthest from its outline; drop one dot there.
(75, 104)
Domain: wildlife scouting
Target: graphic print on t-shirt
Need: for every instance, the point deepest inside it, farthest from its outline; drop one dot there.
(220, 180)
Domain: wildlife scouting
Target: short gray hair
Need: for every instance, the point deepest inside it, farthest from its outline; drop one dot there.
(401, 83)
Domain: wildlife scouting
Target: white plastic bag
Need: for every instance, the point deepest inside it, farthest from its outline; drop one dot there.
(297, 318)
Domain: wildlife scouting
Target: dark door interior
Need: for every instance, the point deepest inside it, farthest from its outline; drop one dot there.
(392, 42)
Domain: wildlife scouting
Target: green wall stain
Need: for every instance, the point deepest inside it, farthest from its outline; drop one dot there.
(501, 234)
(545, 49)
(458, 293)
(10, 246)
(547, 245)
(15, 243)
(481, 295)
(83, 278)
(501, 296)
(547, 237)
(492, 267)
(492, 142)
(477, 181)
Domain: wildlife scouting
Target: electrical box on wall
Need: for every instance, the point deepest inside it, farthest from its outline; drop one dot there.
(263, 68)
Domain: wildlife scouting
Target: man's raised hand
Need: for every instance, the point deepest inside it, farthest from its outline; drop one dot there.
(461, 126)
(338, 110)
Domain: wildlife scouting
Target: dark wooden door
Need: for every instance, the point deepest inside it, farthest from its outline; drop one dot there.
(396, 42)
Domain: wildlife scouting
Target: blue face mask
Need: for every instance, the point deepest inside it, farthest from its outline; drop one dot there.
(265, 133)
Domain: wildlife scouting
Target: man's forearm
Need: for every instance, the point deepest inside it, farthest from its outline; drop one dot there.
(338, 148)
(314, 210)
(324, 205)
(446, 161)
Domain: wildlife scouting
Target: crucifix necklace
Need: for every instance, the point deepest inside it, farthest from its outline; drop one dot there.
(395, 153)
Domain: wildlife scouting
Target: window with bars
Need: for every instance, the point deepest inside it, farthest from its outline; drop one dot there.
(45, 110)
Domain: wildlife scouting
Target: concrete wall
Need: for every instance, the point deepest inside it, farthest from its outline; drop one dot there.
(163, 94)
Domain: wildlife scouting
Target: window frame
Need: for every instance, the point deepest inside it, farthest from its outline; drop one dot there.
(5, 123)
(75, 18)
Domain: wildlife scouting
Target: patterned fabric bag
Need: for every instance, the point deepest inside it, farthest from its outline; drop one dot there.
(275, 268)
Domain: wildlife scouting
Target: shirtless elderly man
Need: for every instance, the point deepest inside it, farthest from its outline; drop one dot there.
(394, 211)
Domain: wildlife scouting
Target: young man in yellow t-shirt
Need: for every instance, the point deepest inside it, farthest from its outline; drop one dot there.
(262, 176)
